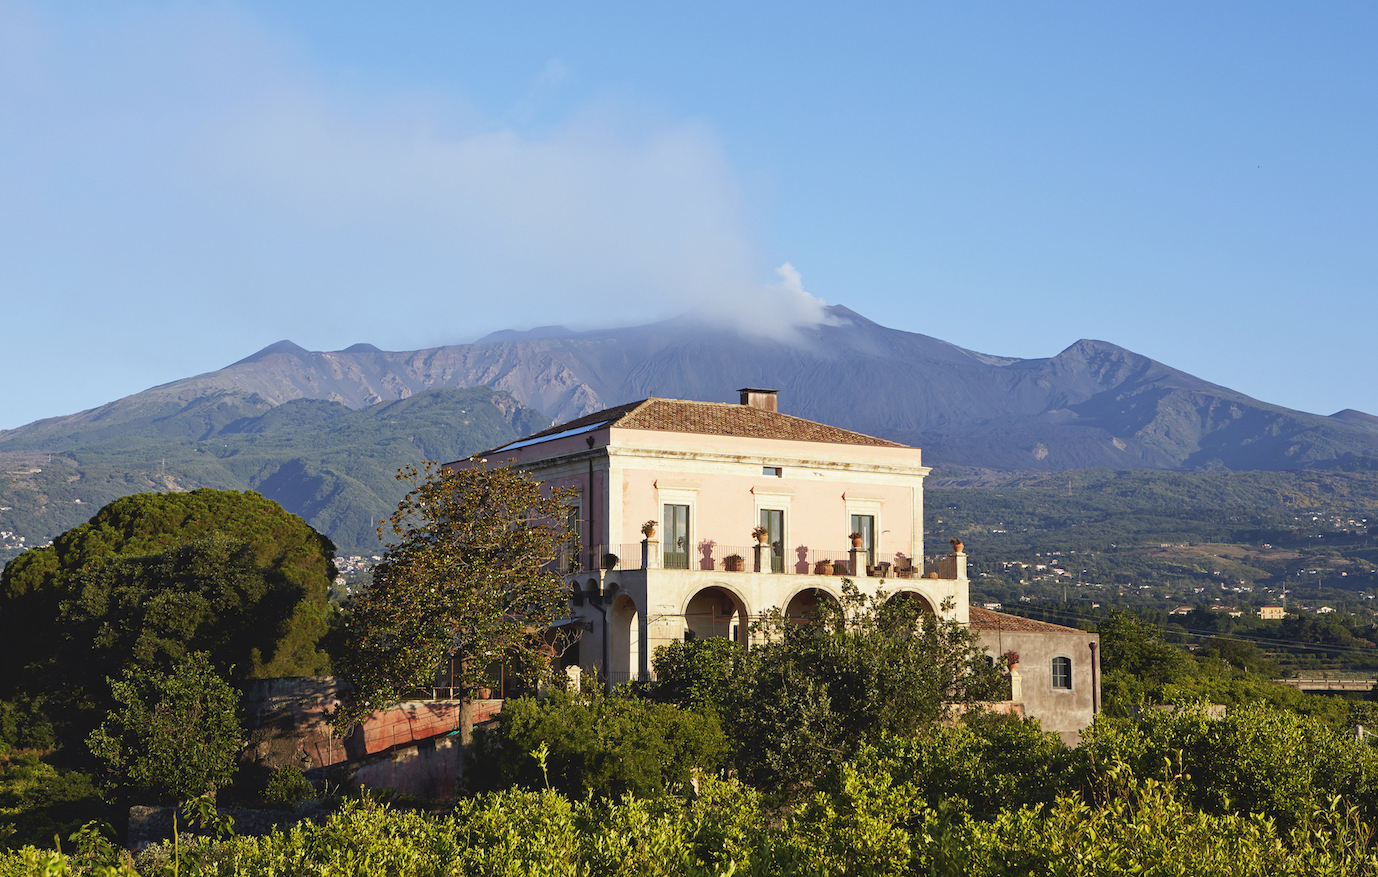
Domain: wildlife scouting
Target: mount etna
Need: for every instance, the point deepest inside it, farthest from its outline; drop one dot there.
(323, 432)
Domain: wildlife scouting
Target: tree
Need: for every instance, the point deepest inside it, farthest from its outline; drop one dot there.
(595, 744)
(174, 735)
(153, 577)
(467, 576)
(811, 694)
(696, 674)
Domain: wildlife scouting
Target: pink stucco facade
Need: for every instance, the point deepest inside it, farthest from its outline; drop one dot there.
(703, 573)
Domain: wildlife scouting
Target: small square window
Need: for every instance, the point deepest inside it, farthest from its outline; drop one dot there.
(772, 471)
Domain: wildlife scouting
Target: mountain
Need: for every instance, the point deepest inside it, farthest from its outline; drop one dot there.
(1092, 405)
(333, 465)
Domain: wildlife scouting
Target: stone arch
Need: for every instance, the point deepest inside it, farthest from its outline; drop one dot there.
(801, 605)
(624, 640)
(716, 611)
(925, 604)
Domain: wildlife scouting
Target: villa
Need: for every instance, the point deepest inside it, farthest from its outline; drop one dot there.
(693, 519)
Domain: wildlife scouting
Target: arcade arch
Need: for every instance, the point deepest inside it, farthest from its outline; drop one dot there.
(624, 640)
(715, 611)
(917, 599)
(803, 604)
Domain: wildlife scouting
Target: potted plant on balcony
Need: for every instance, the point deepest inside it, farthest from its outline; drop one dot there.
(648, 529)
(733, 563)
(610, 561)
(1011, 659)
(856, 539)
(761, 533)
(824, 568)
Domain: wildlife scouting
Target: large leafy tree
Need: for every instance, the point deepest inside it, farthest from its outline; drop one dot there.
(173, 735)
(467, 576)
(153, 577)
(809, 695)
(595, 744)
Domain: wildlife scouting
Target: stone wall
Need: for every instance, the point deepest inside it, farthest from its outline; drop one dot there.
(287, 724)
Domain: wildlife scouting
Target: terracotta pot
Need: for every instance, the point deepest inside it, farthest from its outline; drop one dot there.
(856, 543)
(825, 568)
(483, 694)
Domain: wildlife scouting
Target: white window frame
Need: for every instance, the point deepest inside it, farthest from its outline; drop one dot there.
(863, 506)
(1052, 674)
(780, 502)
(686, 496)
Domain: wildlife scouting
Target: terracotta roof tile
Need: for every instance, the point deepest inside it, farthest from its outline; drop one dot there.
(716, 418)
(986, 619)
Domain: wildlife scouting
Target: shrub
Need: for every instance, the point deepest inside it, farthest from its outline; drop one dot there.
(175, 735)
(601, 745)
(287, 787)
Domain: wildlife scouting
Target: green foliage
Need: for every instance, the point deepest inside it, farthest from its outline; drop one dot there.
(39, 801)
(1255, 760)
(811, 694)
(467, 576)
(330, 464)
(1136, 663)
(869, 825)
(606, 746)
(696, 674)
(24, 725)
(173, 735)
(150, 579)
(287, 787)
(208, 595)
(153, 576)
(983, 766)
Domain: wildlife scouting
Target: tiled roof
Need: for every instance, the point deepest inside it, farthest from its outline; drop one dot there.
(717, 418)
(987, 619)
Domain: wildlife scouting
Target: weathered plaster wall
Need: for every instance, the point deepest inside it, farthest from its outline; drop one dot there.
(286, 720)
(1066, 711)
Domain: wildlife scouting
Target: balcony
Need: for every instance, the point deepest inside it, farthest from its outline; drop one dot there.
(710, 556)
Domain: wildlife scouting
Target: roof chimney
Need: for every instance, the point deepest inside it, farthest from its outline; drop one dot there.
(758, 398)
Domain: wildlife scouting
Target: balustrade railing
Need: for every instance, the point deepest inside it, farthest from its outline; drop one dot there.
(711, 556)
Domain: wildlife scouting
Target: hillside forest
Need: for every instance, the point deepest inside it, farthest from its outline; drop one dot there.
(331, 465)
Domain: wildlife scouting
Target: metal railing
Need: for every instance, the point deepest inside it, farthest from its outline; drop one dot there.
(711, 556)
(615, 679)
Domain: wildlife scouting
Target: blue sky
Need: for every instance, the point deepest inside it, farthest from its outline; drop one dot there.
(182, 184)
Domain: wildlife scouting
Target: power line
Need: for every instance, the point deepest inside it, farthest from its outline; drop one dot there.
(1202, 633)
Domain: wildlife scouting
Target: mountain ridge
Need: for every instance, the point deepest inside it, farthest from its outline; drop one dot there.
(323, 433)
(1092, 404)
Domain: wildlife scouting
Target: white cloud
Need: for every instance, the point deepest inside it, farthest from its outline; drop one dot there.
(199, 162)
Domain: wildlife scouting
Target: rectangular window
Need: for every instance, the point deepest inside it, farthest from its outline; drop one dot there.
(676, 543)
(1062, 673)
(866, 526)
(771, 471)
(774, 522)
(573, 546)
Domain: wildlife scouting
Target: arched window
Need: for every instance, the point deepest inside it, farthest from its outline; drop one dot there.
(1062, 673)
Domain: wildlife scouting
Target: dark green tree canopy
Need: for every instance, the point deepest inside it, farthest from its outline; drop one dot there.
(603, 745)
(467, 576)
(809, 695)
(149, 523)
(154, 576)
(172, 735)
